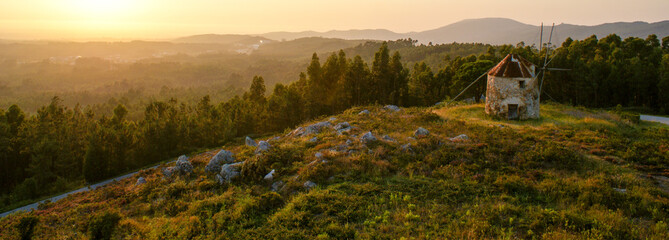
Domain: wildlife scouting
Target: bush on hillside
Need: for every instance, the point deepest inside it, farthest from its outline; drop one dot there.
(102, 226)
(26, 227)
(278, 158)
(553, 156)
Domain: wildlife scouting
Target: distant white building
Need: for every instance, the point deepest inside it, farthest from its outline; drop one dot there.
(513, 89)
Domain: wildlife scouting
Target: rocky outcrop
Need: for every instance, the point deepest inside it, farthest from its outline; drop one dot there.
(343, 127)
(274, 139)
(392, 108)
(459, 138)
(406, 148)
(222, 157)
(421, 132)
(309, 185)
(263, 146)
(317, 127)
(140, 181)
(229, 172)
(388, 138)
(182, 167)
(276, 186)
(250, 142)
(363, 112)
(297, 132)
(368, 138)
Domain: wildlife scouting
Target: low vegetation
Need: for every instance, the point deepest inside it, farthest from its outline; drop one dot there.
(573, 174)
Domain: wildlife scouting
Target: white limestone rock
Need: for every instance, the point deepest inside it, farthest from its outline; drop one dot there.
(269, 176)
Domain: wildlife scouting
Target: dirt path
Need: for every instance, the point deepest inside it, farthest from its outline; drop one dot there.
(655, 119)
(33, 206)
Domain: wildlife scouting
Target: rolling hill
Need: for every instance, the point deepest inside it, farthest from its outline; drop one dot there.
(574, 174)
(492, 31)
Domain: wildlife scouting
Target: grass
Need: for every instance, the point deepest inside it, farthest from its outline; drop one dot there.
(574, 174)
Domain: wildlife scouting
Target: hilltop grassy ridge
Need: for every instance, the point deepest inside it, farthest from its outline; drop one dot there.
(574, 174)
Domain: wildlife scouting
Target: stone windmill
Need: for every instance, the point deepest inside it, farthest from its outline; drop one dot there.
(513, 89)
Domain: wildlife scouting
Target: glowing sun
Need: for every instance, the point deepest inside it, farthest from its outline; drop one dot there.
(102, 8)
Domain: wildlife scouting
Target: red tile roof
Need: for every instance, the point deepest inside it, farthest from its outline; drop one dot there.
(512, 65)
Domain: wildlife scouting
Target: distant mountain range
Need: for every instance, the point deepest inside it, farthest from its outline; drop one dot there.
(222, 39)
(492, 31)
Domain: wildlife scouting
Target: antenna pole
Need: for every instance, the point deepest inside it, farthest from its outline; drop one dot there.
(548, 47)
(541, 38)
(543, 69)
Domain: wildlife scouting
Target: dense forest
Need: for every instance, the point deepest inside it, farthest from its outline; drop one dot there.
(86, 73)
(60, 147)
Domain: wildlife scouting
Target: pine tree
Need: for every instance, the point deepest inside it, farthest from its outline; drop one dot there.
(96, 161)
(357, 84)
(381, 75)
(398, 90)
(257, 90)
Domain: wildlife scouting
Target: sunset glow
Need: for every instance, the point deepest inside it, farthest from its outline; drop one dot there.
(101, 8)
(31, 19)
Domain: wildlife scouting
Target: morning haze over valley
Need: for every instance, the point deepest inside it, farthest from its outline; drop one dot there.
(348, 119)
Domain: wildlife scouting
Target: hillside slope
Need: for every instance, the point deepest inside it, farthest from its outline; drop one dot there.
(576, 173)
(493, 31)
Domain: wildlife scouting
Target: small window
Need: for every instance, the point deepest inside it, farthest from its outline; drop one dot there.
(521, 84)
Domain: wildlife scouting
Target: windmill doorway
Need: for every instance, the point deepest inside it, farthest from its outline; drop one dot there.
(513, 112)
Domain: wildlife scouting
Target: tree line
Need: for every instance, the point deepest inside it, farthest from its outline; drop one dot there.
(605, 72)
(59, 147)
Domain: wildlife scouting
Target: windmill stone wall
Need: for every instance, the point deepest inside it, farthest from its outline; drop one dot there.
(512, 89)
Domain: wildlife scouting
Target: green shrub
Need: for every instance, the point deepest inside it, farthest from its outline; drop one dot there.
(102, 226)
(513, 184)
(278, 158)
(646, 152)
(428, 117)
(269, 201)
(173, 207)
(26, 227)
(634, 118)
(176, 190)
(253, 170)
(553, 156)
(316, 208)
(338, 231)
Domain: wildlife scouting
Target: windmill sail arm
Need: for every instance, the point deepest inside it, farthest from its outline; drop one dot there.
(549, 61)
(558, 69)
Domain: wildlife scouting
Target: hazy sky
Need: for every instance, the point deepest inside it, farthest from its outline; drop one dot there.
(78, 19)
